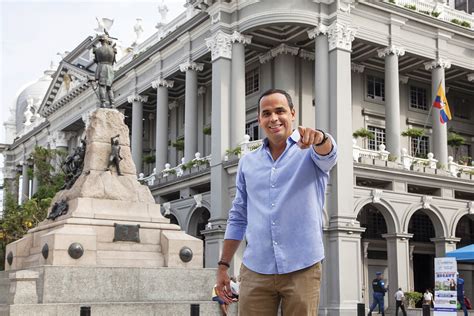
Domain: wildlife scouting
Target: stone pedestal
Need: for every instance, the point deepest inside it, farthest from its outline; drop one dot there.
(112, 226)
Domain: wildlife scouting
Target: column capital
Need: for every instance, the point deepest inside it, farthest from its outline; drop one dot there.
(191, 65)
(173, 105)
(357, 67)
(340, 36)
(136, 97)
(438, 62)
(401, 236)
(220, 44)
(320, 29)
(284, 49)
(265, 57)
(237, 37)
(61, 138)
(201, 90)
(395, 50)
(470, 77)
(162, 83)
(306, 55)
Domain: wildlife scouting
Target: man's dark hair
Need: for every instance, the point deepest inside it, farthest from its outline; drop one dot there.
(273, 91)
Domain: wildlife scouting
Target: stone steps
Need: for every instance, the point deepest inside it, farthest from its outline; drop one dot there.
(166, 308)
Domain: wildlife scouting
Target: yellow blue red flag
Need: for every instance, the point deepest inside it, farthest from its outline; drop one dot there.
(441, 103)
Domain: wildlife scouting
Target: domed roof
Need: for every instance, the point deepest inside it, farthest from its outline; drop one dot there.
(32, 95)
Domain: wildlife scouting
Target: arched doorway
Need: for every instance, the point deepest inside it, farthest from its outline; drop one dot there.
(172, 218)
(197, 223)
(374, 246)
(423, 250)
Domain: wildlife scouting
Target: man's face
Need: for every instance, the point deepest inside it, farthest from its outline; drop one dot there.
(276, 117)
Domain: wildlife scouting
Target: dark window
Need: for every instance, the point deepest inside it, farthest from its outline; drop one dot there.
(252, 130)
(421, 227)
(420, 146)
(252, 81)
(375, 88)
(418, 98)
(379, 134)
(465, 231)
(460, 108)
(373, 221)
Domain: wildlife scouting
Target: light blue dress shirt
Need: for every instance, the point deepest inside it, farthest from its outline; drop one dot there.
(278, 206)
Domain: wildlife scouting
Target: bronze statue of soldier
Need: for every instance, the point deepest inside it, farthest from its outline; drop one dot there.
(114, 157)
(104, 56)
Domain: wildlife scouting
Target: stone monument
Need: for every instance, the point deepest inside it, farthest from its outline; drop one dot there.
(109, 248)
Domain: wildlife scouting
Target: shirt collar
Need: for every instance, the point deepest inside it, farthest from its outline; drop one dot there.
(294, 138)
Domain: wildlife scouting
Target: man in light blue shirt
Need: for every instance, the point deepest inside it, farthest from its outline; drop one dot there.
(278, 207)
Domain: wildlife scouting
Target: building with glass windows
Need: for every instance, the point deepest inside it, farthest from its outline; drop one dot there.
(190, 92)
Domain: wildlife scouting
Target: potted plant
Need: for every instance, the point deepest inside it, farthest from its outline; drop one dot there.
(455, 141)
(178, 144)
(207, 130)
(464, 160)
(363, 133)
(413, 298)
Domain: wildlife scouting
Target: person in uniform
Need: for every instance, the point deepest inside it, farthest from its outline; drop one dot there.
(378, 285)
(104, 56)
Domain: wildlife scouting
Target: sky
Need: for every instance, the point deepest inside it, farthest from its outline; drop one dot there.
(32, 32)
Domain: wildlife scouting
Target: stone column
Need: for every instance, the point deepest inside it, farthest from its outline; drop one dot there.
(190, 108)
(444, 245)
(61, 139)
(344, 231)
(306, 78)
(161, 134)
(392, 98)
(411, 285)
(440, 136)
(25, 184)
(137, 129)
(237, 89)
(221, 53)
(284, 72)
(321, 82)
(366, 281)
(35, 183)
(398, 264)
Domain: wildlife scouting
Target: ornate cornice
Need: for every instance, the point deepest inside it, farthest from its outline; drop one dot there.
(162, 83)
(284, 49)
(306, 55)
(439, 62)
(173, 105)
(340, 36)
(320, 29)
(357, 67)
(201, 90)
(220, 45)
(237, 37)
(137, 97)
(191, 65)
(395, 50)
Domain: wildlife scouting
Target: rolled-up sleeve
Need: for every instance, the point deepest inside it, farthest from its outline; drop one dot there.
(326, 162)
(237, 221)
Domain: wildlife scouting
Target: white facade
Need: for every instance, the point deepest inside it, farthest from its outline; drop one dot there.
(347, 66)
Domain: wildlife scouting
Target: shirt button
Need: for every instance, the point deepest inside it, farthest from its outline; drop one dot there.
(273, 204)
(273, 185)
(273, 223)
(275, 243)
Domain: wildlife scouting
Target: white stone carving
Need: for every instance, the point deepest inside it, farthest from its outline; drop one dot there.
(173, 105)
(167, 207)
(138, 29)
(357, 67)
(137, 97)
(220, 45)
(163, 10)
(366, 247)
(306, 55)
(104, 25)
(439, 62)
(426, 200)
(376, 195)
(470, 77)
(191, 65)
(265, 57)
(395, 50)
(340, 36)
(237, 37)
(284, 49)
(198, 200)
(162, 83)
(318, 30)
(344, 5)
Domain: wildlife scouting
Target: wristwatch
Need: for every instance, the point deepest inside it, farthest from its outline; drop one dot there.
(325, 138)
(223, 263)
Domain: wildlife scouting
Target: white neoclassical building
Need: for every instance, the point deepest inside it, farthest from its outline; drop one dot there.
(189, 94)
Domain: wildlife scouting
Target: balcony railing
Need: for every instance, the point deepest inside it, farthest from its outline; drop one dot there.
(437, 10)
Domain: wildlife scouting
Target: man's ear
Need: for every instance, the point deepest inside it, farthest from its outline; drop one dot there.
(293, 114)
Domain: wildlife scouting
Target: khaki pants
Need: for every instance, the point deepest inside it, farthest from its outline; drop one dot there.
(298, 292)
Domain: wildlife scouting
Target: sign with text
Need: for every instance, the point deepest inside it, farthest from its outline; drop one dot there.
(445, 299)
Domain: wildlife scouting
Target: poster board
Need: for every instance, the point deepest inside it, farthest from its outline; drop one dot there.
(445, 297)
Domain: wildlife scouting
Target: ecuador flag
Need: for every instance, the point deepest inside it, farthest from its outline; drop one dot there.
(441, 103)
